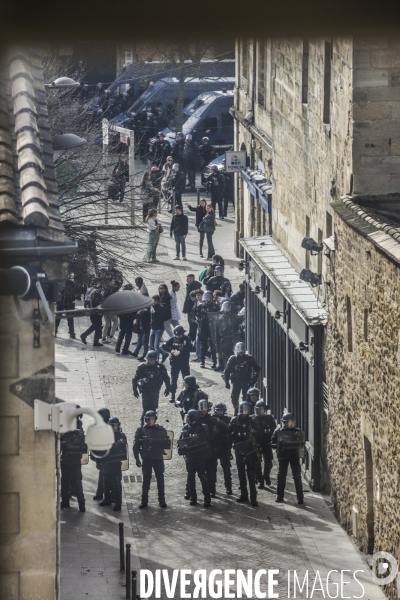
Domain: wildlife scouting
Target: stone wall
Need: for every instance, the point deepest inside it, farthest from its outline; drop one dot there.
(376, 145)
(363, 354)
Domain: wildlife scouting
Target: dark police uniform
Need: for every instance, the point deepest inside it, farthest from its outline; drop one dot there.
(111, 469)
(150, 443)
(125, 332)
(222, 448)
(67, 302)
(150, 379)
(160, 151)
(239, 370)
(201, 316)
(227, 334)
(265, 425)
(207, 153)
(216, 186)
(285, 458)
(72, 447)
(179, 364)
(189, 398)
(196, 459)
(240, 430)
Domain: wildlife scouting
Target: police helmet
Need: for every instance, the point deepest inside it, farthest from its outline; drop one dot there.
(205, 139)
(244, 408)
(226, 306)
(203, 405)
(220, 406)
(219, 268)
(112, 101)
(240, 347)
(287, 417)
(260, 404)
(160, 134)
(207, 295)
(133, 115)
(152, 354)
(125, 95)
(175, 166)
(150, 115)
(150, 414)
(105, 414)
(103, 270)
(180, 134)
(114, 421)
(189, 136)
(179, 330)
(100, 85)
(252, 391)
(190, 380)
(193, 415)
(128, 286)
(214, 168)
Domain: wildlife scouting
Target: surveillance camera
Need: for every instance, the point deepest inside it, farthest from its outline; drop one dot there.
(249, 117)
(99, 438)
(310, 244)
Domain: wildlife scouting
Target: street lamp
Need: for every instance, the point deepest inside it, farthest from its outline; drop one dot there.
(67, 141)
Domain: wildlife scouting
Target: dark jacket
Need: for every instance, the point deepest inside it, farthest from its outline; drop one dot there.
(107, 465)
(165, 302)
(188, 304)
(191, 154)
(209, 221)
(138, 443)
(72, 447)
(155, 375)
(68, 294)
(182, 345)
(216, 184)
(200, 213)
(144, 319)
(157, 317)
(241, 368)
(237, 301)
(160, 151)
(265, 425)
(179, 225)
(215, 283)
(202, 431)
(201, 311)
(178, 154)
(189, 398)
(207, 152)
(178, 181)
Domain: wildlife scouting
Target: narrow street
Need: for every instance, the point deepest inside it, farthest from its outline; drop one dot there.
(226, 536)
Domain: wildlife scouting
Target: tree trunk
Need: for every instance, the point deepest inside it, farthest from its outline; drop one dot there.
(181, 89)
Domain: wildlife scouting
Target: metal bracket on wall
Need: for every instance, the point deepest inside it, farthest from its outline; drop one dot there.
(45, 306)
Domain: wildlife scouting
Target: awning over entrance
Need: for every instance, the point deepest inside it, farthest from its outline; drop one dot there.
(258, 187)
(266, 254)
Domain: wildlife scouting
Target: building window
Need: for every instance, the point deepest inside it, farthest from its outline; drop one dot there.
(244, 80)
(304, 74)
(349, 325)
(226, 124)
(329, 226)
(327, 82)
(261, 74)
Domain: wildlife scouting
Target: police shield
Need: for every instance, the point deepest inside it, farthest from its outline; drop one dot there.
(167, 454)
(125, 462)
(290, 444)
(212, 324)
(157, 444)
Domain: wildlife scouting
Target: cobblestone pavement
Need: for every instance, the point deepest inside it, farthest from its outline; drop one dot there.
(225, 536)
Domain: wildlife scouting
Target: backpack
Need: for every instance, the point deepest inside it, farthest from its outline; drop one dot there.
(202, 274)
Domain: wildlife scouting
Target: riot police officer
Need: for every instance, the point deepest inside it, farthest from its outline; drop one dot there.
(265, 425)
(178, 150)
(178, 182)
(111, 467)
(252, 397)
(206, 151)
(201, 315)
(241, 435)
(226, 333)
(204, 407)
(190, 395)
(242, 370)
(194, 445)
(162, 120)
(67, 302)
(179, 347)
(72, 448)
(160, 150)
(222, 446)
(191, 157)
(105, 414)
(216, 186)
(215, 282)
(149, 378)
(150, 444)
(288, 456)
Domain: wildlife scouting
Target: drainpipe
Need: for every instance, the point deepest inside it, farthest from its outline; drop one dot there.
(252, 140)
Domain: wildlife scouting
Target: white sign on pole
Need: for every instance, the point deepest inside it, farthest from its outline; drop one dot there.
(235, 161)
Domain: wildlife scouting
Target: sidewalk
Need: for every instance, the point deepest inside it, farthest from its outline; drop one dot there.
(226, 536)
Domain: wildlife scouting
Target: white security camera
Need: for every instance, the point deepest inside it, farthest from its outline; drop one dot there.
(61, 417)
(249, 117)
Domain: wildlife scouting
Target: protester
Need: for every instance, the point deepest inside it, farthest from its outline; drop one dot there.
(141, 288)
(175, 312)
(165, 301)
(179, 229)
(154, 229)
(157, 319)
(200, 211)
(207, 225)
(148, 194)
(237, 300)
(143, 326)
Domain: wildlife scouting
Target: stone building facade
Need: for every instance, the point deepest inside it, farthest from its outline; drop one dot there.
(319, 120)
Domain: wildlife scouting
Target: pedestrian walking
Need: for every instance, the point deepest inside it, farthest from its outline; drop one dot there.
(178, 183)
(125, 328)
(148, 194)
(196, 329)
(175, 312)
(157, 319)
(105, 415)
(242, 370)
(200, 211)
(110, 321)
(151, 440)
(192, 160)
(154, 229)
(216, 186)
(67, 302)
(207, 225)
(141, 287)
(121, 175)
(143, 331)
(179, 229)
(165, 301)
(201, 312)
(191, 286)
(96, 297)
